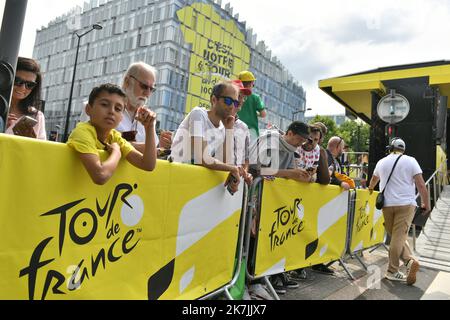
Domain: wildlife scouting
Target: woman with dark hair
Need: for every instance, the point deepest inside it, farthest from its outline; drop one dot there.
(24, 118)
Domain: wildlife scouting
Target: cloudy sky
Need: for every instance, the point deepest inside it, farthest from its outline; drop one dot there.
(323, 38)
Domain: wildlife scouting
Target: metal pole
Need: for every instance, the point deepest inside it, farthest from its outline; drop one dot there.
(66, 128)
(11, 30)
(434, 191)
(10, 36)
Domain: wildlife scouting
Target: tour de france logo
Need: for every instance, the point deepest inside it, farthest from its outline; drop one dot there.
(77, 224)
(362, 218)
(288, 223)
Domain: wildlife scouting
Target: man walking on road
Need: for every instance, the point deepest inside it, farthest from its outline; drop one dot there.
(399, 206)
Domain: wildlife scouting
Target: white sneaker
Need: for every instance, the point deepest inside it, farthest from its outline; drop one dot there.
(411, 269)
(397, 276)
(259, 292)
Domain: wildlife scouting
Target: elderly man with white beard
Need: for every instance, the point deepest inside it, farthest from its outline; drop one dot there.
(138, 84)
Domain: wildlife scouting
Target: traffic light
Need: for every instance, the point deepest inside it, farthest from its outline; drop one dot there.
(391, 131)
(6, 81)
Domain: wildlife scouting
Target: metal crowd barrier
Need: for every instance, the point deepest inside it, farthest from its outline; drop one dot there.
(434, 185)
(240, 256)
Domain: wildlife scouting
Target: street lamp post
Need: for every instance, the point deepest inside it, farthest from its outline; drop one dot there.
(298, 111)
(66, 128)
(294, 113)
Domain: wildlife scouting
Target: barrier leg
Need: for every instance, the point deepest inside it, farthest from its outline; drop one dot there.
(361, 262)
(228, 294)
(341, 262)
(239, 256)
(271, 289)
(377, 246)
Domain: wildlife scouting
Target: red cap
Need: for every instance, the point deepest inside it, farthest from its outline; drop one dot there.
(245, 91)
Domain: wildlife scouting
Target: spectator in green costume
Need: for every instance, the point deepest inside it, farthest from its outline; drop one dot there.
(253, 106)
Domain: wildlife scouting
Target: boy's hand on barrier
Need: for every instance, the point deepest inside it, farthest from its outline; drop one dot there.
(113, 147)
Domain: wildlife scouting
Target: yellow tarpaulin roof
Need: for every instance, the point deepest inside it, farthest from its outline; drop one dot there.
(354, 91)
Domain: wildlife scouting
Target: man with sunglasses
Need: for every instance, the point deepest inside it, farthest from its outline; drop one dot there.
(206, 137)
(138, 84)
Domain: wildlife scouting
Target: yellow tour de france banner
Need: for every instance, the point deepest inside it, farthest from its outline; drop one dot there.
(301, 224)
(368, 222)
(441, 165)
(167, 234)
(218, 51)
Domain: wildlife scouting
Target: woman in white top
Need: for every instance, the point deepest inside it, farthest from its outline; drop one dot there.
(25, 100)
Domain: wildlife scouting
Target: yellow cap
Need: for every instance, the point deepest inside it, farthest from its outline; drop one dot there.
(246, 76)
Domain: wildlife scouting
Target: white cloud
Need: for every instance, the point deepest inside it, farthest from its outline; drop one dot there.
(328, 38)
(320, 39)
(39, 14)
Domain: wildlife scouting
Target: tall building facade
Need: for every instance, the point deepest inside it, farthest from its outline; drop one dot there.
(192, 44)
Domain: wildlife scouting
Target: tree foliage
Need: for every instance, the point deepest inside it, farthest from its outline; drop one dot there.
(356, 135)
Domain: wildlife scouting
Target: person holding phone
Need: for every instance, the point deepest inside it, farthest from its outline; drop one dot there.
(309, 153)
(24, 118)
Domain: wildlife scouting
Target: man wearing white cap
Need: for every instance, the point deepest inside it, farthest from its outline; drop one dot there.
(399, 206)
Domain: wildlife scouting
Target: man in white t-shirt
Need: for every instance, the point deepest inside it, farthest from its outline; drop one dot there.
(241, 135)
(399, 206)
(205, 137)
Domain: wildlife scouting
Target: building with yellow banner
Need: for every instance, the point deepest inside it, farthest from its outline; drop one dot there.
(193, 44)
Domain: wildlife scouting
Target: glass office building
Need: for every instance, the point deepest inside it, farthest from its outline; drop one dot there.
(192, 44)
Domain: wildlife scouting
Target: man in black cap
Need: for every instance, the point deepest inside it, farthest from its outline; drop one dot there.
(273, 153)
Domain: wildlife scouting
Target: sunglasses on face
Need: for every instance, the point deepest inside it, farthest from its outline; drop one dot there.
(143, 85)
(28, 84)
(229, 101)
